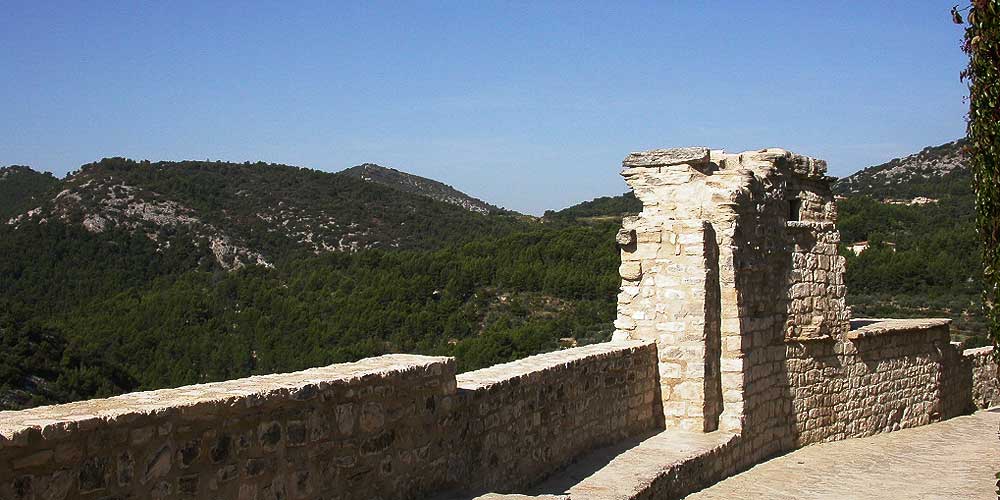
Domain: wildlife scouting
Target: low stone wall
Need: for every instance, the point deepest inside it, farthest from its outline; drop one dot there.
(985, 376)
(396, 426)
(518, 422)
(882, 377)
(356, 430)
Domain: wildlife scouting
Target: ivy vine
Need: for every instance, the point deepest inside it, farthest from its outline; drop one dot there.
(982, 43)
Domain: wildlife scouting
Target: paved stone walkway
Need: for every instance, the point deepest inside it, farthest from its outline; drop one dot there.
(956, 458)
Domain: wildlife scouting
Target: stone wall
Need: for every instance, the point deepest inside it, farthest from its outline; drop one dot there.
(732, 255)
(330, 432)
(397, 426)
(517, 422)
(732, 267)
(882, 377)
(985, 376)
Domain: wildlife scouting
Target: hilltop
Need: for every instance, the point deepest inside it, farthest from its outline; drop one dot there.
(613, 207)
(415, 184)
(248, 213)
(22, 188)
(932, 173)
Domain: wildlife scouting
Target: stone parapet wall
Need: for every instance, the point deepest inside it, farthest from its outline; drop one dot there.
(395, 426)
(972, 380)
(985, 376)
(357, 430)
(883, 377)
(517, 422)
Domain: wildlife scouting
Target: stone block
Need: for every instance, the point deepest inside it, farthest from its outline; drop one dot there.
(667, 157)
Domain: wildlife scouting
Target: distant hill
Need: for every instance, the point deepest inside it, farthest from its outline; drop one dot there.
(415, 184)
(21, 189)
(603, 207)
(934, 172)
(244, 213)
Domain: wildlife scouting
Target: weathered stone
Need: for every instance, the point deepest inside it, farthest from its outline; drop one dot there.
(158, 464)
(95, 474)
(270, 434)
(126, 468)
(631, 271)
(667, 157)
(372, 417)
(625, 237)
(36, 459)
(221, 449)
(189, 452)
(56, 486)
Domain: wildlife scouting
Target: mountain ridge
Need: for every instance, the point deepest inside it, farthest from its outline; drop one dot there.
(246, 213)
(932, 172)
(415, 184)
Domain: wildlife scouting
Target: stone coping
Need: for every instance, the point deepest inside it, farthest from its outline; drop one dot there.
(877, 327)
(978, 351)
(667, 157)
(526, 367)
(296, 385)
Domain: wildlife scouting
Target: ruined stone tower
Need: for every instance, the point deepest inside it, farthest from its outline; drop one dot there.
(733, 257)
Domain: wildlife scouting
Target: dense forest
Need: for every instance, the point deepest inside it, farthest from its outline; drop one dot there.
(21, 189)
(137, 325)
(144, 302)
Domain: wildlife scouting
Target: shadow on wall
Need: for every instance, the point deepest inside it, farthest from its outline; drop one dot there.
(713, 332)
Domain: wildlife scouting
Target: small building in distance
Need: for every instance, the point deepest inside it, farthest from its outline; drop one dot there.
(860, 246)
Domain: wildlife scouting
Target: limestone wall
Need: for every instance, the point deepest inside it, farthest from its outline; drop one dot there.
(882, 377)
(517, 422)
(732, 267)
(397, 426)
(369, 427)
(731, 256)
(985, 376)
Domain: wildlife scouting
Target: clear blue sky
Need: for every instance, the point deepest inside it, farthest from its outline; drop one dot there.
(530, 105)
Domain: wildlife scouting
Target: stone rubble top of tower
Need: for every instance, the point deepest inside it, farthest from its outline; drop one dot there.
(667, 157)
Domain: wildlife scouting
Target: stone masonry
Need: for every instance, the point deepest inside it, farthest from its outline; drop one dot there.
(728, 248)
(396, 426)
(732, 268)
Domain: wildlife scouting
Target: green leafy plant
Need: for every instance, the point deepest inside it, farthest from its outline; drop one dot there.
(982, 43)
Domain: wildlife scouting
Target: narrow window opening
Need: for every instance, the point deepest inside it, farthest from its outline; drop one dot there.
(794, 207)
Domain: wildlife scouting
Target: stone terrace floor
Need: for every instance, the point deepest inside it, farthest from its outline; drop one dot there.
(956, 458)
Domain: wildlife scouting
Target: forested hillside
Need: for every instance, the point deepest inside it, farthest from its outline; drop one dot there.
(604, 207)
(115, 283)
(255, 213)
(136, 275)
(21, 189)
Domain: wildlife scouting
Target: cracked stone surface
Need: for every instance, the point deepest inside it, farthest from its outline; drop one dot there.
(956, 458)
